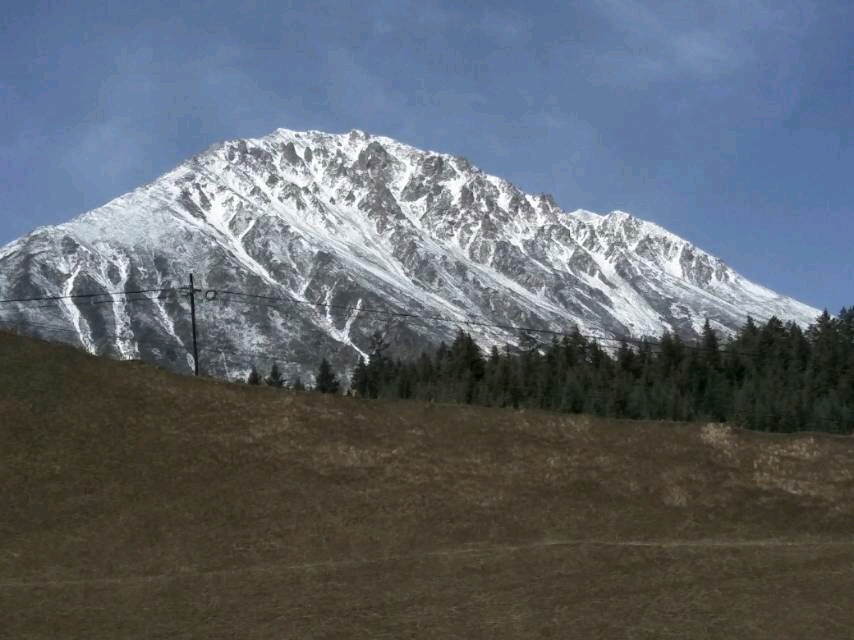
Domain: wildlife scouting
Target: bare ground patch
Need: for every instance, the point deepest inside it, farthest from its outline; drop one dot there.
(139, 504)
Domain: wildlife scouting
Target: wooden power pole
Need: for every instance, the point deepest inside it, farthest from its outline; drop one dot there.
(193, 317)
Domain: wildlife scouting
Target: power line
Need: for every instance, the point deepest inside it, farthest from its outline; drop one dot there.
(276, 301)
(255, 356)
(52, 304)
(27, 321)
(55, 328)
(77, 296)
(258, 355)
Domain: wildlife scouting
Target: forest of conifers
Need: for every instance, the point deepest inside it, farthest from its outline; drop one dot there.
(770, 377)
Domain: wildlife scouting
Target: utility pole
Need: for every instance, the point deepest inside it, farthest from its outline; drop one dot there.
(193, 316)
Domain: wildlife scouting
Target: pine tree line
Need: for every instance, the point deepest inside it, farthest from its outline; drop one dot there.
(326, 379)
(773, 377)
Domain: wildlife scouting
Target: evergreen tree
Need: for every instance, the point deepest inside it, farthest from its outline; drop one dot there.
(670, 355)
(253, 378)
(424, 377)
(576, 348)
(553, 373)
(327, 381)
(298, 385)
(275, 379)
(772, 376)
(465, 368)
(405, 381)
(359, 382)
(710, 346)
(378, 374)
(378, 345)
(573, 392)
(625, 358)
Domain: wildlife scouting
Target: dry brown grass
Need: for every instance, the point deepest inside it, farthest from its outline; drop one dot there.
(139, 504)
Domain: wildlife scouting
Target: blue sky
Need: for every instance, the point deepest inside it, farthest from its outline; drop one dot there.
(728, 122)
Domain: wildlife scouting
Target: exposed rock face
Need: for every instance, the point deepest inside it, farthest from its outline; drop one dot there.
(344, 225)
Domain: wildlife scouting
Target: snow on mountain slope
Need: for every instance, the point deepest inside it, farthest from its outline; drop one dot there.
(349, 223)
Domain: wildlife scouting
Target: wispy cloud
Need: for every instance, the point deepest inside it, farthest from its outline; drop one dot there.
(105, 151)
(350, 87)
(430, 12)
(495, 145)
(507, 29)
(145, 109)
(391, 15)
(662, 41)
(8, 94)
(449, 100)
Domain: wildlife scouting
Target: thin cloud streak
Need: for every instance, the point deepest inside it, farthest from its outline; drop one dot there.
(703, 41)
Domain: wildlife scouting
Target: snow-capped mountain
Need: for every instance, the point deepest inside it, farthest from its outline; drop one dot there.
(344, 225)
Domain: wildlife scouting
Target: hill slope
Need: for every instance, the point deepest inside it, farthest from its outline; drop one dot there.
(357, 222)
(141, 504)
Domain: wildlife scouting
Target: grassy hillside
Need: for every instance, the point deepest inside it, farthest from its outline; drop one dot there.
(139, 504)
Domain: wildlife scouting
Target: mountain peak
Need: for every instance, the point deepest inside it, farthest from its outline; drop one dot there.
(356, 221)
(621, 215)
